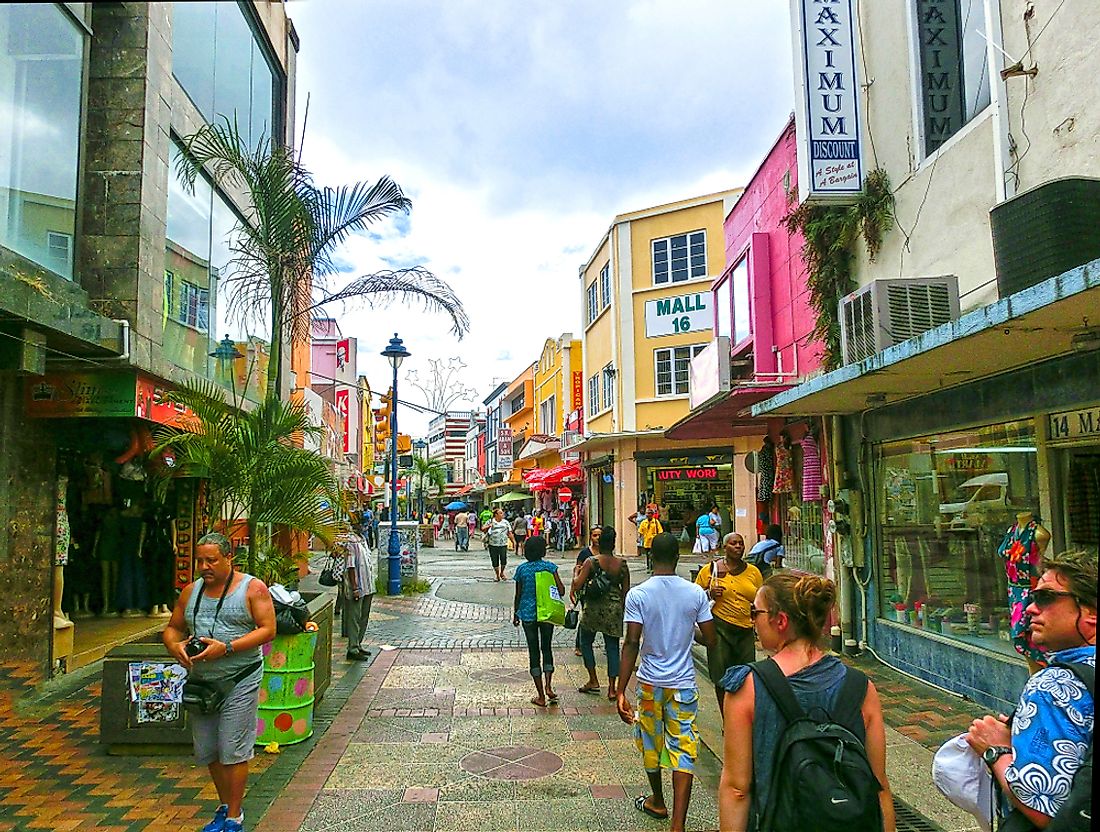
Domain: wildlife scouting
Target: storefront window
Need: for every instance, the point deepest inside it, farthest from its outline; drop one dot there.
(41, 63)
(945, 503)
(218, 60)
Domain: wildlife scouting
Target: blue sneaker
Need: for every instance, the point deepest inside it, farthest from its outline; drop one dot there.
(233, 825)
(218, 823)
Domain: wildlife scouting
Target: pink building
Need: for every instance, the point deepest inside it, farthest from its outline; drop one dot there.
(333, 376)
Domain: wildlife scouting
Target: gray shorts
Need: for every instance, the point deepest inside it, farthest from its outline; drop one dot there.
(228, 737)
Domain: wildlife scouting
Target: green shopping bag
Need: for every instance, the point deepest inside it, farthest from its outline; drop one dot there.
(551, 607)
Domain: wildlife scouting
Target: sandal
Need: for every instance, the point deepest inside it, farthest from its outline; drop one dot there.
(537, 703)
(639, 804)
(552, 698)
(587, 689)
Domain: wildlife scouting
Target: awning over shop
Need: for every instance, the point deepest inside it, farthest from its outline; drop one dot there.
(601, 441)
(541, 478)
(513, 497)
(1033, 325)
(726, 415)
(539, 444)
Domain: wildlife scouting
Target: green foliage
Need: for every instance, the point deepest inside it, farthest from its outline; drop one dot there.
(274, 566)
(254, 471)
(428, 474)
(417, 587)
(285, 250)
(829, 234)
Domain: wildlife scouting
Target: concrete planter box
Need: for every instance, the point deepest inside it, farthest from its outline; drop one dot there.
(119, 728)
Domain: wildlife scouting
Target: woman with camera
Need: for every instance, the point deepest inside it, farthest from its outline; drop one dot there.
(216, 631)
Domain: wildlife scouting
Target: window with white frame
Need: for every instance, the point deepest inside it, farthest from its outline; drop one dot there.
(953, 82)
(186, 302)
(59, 250)
(608, 386)
(593, 301)
(742, 318)
(548, 422)
(680, 257)
(671, 365)
(605, 285)
(594, 394)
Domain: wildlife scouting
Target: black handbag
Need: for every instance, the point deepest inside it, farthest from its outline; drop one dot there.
(330, 574)
(207, 696)
(572, 619)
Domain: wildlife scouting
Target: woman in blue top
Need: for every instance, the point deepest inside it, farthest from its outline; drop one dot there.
(539, 634)
(706, 532)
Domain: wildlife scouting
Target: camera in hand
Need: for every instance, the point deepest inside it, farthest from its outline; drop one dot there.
(194, 646)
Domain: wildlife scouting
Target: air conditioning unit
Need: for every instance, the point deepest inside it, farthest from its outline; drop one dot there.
(570, 437)
(889, 311)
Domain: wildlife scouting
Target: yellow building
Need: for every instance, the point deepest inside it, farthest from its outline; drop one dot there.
(517, 413)
(646, 301)
(558, 400)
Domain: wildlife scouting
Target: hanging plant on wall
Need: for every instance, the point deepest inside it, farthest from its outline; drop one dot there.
(829, 233)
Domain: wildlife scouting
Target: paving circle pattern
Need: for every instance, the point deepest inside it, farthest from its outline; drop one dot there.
(512, 762)
(501, 675)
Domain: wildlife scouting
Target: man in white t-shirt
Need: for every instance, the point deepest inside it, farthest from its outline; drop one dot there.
(671, 613)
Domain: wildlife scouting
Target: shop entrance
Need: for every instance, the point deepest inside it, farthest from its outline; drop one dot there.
(1078, 498)
(685, 491)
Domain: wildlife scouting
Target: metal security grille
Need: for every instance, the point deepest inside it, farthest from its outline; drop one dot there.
(803, 535)
(910, 820)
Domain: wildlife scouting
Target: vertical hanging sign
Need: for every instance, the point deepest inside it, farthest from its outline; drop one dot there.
(184, 531)
(827, 118)
(943, 104)
(343, 353)
(342, 408)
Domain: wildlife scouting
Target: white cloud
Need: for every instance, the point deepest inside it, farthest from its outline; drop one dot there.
(519, 131)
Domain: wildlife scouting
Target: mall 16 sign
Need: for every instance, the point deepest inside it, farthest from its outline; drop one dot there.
(827, 116)
(682, 313)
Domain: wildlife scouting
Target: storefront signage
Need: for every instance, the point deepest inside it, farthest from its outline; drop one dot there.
(102, 394)
(1075, 424)
(343, 353)
(941, 63)
(827, 119)
(342, 404)
(965, 463)
(184, 526)
(504, 450)
(682, 313)
(577, 401)
(676, 474)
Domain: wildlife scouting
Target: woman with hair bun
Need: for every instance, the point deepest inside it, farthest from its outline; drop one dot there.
(790, 613)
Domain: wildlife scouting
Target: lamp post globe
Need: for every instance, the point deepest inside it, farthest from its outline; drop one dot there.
(395, 353)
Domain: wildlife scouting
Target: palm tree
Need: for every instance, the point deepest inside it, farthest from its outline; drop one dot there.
(429, 471)
(254, 471)
(284, 252)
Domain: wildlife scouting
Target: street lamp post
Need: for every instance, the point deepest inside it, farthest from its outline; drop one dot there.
(395, 353)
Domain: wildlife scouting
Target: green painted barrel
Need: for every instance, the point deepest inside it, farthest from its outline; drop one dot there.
(286, 692)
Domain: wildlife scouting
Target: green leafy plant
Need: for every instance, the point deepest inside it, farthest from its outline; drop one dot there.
(255, 472)
(285, 250)
(274, 566)
(429, 475)
(828, 235)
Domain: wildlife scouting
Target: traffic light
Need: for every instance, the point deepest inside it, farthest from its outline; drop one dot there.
(382, 427)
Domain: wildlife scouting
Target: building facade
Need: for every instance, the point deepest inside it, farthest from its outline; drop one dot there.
(447, 442)
(967, 419)
(647, 310)
(112, 289)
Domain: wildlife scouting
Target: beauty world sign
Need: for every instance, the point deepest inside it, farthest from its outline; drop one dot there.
(827, 113)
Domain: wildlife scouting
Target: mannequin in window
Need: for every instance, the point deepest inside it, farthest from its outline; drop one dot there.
(1022, 548)
(811, 467)
(784, 476)
(765, 471)
(62, 538)
(106, 550)
(132, 592)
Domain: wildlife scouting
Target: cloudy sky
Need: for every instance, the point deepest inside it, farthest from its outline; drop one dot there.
(519, 129)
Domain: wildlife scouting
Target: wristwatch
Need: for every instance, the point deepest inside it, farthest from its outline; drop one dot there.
(228, 647)
(992, 754)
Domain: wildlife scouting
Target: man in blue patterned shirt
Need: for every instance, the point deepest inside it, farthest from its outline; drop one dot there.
(1034, 761)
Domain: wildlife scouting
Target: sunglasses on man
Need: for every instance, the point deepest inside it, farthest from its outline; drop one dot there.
(1043, 598)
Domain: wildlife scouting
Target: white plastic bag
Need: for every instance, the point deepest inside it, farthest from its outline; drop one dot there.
(965, 780)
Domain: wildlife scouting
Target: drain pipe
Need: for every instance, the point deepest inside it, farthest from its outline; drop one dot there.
(841, 570)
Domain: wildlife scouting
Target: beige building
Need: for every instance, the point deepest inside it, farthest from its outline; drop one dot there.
(647, 310)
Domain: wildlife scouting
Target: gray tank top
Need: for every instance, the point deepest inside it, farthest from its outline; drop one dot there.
(234, 621)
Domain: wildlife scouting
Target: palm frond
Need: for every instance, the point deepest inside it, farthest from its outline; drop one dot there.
(338, 212)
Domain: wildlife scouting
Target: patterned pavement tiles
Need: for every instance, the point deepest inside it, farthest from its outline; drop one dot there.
(490, 762)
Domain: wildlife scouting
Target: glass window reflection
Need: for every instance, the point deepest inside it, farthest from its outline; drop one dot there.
(41, 64)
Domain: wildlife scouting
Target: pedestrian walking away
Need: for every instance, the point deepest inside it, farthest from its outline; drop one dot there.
(215, 632)
(539, 634)
(800, 685)
(603, 582)
(462, 532)
(1041, 759)
(647, 530)
(663, 615)
(767, 555)
(731, 584)
(359, 587)
(584, 554)
(706, 538)
(519, 532)
(499, 534)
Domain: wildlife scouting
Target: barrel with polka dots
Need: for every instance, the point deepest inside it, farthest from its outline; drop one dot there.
(286, 692)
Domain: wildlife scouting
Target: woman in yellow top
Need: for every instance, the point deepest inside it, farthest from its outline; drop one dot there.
(647, 530)
(731, 584)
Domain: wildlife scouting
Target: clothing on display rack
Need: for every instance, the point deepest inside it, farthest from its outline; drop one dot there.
(811, 469)
(1021, 551)
(784, 476)
(765, 470)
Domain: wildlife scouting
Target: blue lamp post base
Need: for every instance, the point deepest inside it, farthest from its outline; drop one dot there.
(393, 586)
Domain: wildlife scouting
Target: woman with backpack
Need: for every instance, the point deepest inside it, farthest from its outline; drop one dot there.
(805, 743)
(603, 581)
(731, 584)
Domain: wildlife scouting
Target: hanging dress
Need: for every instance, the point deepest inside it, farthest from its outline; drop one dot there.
(784, 477)
(1020, 552)
(811, 469)
(765, 471)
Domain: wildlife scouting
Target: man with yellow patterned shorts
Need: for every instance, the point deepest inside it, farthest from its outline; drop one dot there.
(671, 612)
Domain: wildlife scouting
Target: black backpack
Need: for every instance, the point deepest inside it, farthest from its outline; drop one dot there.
(822, 779)
(599, 583)
(1075, 815)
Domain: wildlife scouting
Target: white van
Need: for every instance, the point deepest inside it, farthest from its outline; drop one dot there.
(977, 496)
